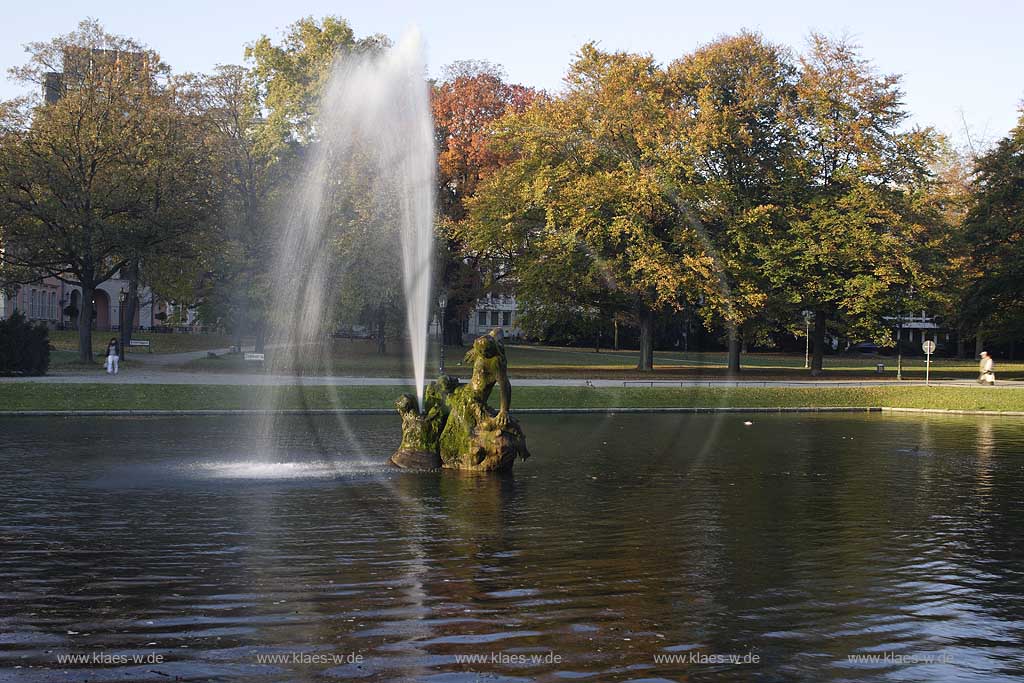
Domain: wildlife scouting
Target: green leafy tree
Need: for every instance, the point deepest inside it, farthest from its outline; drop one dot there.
(848, 252)
(260, 122)
(290, 75)
(586, 206)
(994, 235)
(102, 172)
(250, 171)
(733, 104)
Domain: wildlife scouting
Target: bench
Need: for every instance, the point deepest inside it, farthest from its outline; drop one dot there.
(258, 357)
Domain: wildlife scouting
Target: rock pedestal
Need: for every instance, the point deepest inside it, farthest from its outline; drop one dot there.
(475, 439)
(457, 429)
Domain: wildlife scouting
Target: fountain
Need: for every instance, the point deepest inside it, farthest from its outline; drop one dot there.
(458, 430)
(368, 185)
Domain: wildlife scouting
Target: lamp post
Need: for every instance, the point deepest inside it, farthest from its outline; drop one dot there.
(899, 333)
(121, 299)
(442, 303)
(899, 344)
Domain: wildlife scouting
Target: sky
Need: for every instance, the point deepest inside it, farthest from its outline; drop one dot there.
(961, 60)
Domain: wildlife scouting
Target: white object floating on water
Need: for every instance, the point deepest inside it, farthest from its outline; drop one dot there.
(747, 423)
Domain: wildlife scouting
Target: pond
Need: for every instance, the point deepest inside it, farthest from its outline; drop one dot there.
(630, 547)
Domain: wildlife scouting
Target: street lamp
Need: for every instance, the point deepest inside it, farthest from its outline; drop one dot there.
(121, 299)
(442, 303)
(899, 343)
(899, 332)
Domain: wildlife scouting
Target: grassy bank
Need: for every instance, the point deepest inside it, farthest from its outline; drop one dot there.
(67, 340)
(360, 358)
(37, 396)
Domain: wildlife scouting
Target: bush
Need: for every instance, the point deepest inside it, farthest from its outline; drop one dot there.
(24, 346)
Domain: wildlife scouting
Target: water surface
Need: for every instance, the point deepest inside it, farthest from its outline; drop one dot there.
(630, 548)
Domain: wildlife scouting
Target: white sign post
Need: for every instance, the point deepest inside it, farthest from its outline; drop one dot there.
(929, 349)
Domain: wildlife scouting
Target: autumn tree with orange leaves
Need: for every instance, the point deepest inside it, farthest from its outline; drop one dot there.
(467, 106)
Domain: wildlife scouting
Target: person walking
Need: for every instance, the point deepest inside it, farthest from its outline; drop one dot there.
(986, 375)
(113, 356)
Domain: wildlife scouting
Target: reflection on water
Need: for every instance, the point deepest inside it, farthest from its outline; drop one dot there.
(630, 547)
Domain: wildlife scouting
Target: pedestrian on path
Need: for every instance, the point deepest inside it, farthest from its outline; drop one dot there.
(986, 375)
(113, 356)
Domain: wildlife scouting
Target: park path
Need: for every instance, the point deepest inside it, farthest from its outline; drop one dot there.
(165, 360)
(159, 373)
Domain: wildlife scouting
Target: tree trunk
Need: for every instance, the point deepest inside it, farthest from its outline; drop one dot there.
(261, 338)
(734, 347)
(597, 342)
(242, 322)
(382, 345)
(128, 315)
(615, 342)
(85, 325)
(961, 346)
(451, 330)
(646, 363)
(242, 312)
(818, 341)
(979, 343)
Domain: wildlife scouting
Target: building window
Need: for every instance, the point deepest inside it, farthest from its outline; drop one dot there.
(506, 318)
(494, 318)
(482, 318)
(33, 310)
(53, 305)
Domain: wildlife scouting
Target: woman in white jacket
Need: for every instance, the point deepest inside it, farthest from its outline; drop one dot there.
(113, 356)
(986, 376)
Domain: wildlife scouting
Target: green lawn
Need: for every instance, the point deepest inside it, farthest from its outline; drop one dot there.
(99, 396)
(359, 358)
(67, 340)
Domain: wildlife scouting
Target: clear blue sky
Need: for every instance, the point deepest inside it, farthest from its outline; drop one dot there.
(955, 55)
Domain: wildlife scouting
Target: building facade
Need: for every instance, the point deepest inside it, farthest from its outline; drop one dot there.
(55, 303)
(493, 311)
(916, 328)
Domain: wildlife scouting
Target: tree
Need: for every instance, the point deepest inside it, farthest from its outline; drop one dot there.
(848, 250)
(733, 105)
(290, 76)
(260, 121)
(467, 106)
(250, 171)
(943, 250)
(101, 172)
(994, 235)
(178, 199)
(587, 205)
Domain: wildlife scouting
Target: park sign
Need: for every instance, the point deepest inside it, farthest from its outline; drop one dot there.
(929, 348)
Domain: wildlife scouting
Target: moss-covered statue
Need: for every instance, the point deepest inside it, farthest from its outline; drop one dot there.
(458, 429)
